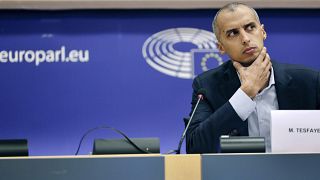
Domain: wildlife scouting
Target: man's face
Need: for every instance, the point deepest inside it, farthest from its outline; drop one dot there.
(241, 36)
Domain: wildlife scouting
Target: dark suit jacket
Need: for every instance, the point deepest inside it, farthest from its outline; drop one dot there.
(296, 87)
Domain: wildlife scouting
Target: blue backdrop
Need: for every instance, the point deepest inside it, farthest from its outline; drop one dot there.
(53, 104)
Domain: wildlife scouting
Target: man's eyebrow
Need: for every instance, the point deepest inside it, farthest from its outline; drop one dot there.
(245, 26)
(230, 30)
(249, 24)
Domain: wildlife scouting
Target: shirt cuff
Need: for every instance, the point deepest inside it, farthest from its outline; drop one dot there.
(242, 104)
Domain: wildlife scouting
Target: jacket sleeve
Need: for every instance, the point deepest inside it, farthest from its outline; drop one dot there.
(209, 123)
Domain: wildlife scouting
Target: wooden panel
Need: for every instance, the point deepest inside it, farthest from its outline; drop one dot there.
(183, 167)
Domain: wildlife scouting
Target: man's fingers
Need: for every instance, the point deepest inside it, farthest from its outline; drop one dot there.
(237, 65)
(261, 56)
(266, 58)
(267, 68)
(266, 61)
(266, 72)
(267, 77)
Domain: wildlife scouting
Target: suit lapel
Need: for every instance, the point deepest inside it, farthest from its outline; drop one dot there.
(286, 91)
(230, 83)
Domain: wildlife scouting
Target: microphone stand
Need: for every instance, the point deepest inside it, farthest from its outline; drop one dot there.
(200, 97)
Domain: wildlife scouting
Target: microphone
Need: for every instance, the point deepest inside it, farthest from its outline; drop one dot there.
(200, 95)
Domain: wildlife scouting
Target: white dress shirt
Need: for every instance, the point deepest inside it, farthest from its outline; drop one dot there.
(257, 111)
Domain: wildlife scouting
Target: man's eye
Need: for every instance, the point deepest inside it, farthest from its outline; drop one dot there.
(251, 27)
(232, 34)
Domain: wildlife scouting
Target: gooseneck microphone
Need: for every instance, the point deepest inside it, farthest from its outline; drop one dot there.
(200, 95)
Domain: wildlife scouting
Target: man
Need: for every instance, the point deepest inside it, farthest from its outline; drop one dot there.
(241, 93)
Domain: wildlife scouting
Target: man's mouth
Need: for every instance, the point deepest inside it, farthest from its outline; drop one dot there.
(249, 50)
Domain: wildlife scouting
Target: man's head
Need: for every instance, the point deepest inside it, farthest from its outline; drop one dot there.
(239, 32)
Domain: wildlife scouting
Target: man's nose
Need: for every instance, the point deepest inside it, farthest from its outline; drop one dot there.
(244, 37)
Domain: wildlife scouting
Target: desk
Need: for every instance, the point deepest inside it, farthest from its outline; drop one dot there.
(163, 167)
(142, 167)
(261, 166)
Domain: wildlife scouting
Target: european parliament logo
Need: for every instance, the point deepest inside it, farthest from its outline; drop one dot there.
(182, 52)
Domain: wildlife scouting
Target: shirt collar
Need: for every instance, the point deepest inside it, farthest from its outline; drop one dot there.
(271, 82)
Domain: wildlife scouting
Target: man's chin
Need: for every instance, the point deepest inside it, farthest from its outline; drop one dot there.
(248, 62)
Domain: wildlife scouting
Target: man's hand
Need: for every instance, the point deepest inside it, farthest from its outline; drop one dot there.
(255, 77)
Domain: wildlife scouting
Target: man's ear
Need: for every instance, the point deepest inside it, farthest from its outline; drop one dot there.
(263, 32)
(220, 47)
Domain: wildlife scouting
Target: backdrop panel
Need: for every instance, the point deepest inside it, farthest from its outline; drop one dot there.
(64, 72)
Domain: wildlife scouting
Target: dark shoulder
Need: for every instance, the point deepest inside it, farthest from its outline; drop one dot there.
(295, 69)
(216, 72)
(214, 77)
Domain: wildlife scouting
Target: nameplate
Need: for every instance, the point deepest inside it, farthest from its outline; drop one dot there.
(295, 131)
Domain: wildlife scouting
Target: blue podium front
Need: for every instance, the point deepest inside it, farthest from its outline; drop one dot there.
(260, 166)
(142, 167)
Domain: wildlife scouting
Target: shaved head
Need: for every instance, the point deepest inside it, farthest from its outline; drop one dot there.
(231, 7)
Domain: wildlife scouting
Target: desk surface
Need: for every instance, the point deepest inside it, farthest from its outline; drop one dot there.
(261, 166)
(164, 167)
(83, 167)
